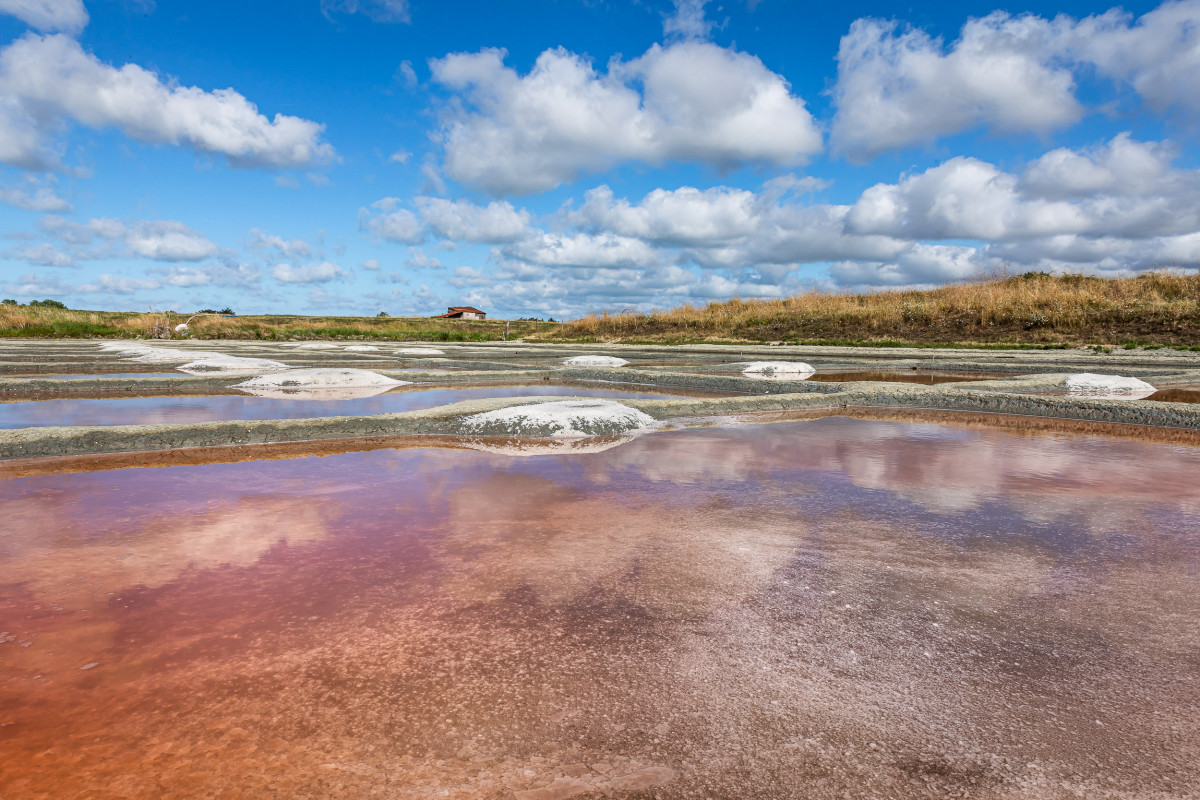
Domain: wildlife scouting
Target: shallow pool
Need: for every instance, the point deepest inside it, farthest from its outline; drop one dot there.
(815, 609)
(177, 410)
(924, 377)
(1180, 395)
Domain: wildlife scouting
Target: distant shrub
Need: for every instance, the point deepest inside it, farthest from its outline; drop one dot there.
(46, 304)
(8, 301)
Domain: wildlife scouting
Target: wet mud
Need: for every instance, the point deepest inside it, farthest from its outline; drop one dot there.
(813, 609)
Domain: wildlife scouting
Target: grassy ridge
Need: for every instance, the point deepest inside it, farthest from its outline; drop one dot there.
(1034, 309)
(26, 321)
(1031, 310)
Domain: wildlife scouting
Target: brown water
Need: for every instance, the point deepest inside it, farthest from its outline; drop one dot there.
(1189, 395)
(925, 378)
(799, 610)
(180, 410)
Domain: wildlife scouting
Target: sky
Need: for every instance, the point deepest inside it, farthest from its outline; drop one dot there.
(540, 158)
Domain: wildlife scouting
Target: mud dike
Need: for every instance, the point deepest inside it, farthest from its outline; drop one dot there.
(687, 386)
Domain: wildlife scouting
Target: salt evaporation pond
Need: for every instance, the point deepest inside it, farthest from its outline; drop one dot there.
(799, 610)
(211, 408)
(926, 377)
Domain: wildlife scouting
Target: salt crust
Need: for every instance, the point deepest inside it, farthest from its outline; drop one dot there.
(320, 384)
(316, 346)
(155, 355)
(361, 347)
(194, 362)
(219, 364)
(420, 351)
(1108, 387)
(779, 370)
(561, 419)
(595, 361)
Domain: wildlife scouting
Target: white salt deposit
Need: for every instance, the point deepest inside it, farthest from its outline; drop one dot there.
(316, 346)
(169, 355)
(420, 351)
(126, 348)
(219, 364)
(563, 419)
(362, 348)
(595, 361)
(1108, 387)
(320, 384)
(194, 362)
(779, 370)
(148, 354)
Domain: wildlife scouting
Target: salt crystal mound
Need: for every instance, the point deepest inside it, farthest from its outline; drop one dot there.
(320, 384)
(1107, 387)
(420, 351)
(561, 419)
(314, 346)
(362, 348)
(219, 365)
(778, 370)
(595, 361)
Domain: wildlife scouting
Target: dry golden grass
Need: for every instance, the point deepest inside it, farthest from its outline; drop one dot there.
(1156, 308)
(1035, 308)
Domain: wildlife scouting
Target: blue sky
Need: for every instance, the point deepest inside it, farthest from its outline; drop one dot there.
(553, 157)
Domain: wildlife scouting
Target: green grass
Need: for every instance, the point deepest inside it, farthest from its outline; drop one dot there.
(63, 330)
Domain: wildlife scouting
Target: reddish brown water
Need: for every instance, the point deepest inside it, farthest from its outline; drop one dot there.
(1176, 395)
(800, 610)
(926, 378)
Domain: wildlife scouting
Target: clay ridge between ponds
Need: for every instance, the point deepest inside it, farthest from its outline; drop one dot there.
(448, 420)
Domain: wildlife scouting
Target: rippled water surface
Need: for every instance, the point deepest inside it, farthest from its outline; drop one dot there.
(177, 410)
(801, 610)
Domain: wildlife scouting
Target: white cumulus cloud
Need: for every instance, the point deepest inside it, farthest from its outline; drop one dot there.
(687, 20)
(388, 221)
(34, 194)
(688, 101)
(46, 81)
(1124, 188)
(321, 272)
(43, 254)
(293, 248)
(68, 16)
(606, 250)
(496, 223)
(167, 240)
(898, 86)
(1158, 54)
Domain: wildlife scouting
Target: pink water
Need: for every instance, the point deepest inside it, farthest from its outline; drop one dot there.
(808, 610)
